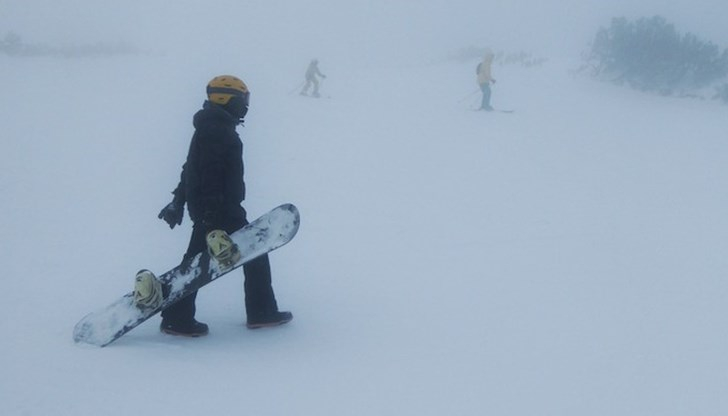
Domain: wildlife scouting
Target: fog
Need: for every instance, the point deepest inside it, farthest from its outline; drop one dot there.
(360, 32)
(566, 258)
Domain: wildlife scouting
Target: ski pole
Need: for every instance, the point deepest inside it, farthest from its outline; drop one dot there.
(297, 88)
(467, 96)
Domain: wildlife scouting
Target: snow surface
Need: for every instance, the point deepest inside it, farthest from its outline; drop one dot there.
(566, 259)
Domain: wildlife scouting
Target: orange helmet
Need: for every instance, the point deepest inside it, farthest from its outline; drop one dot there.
(224, 87)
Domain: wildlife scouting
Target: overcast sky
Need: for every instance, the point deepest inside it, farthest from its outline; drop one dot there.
(357, 28)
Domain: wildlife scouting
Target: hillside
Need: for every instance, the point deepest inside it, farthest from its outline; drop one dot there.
(566, 259)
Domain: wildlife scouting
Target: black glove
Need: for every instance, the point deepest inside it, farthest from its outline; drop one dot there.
(172, 214)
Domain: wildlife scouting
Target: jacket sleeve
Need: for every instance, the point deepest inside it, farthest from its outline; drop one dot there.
(235, 190)
(191, 180)
(179, 191)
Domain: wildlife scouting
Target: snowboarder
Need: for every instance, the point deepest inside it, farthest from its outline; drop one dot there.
(485, 78)
(312, 72)
(212, 185)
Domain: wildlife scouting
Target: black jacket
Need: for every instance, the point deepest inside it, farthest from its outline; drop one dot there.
(212, 177)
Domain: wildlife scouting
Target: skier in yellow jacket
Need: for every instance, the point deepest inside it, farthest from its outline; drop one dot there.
(485, 79)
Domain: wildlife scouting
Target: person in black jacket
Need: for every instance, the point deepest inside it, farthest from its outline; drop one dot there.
(212, 185)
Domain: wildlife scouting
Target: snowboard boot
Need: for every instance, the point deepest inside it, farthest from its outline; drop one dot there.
(222, 249)
(191, 329)
(147, 290)
(273, 319)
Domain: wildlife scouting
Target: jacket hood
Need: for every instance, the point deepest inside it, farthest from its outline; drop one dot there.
(212, 113)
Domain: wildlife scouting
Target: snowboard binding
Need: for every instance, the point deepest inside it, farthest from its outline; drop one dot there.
(222, 248)
(147, 290)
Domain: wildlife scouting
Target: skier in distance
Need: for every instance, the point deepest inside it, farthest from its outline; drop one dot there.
(485, 78)
(312, 72)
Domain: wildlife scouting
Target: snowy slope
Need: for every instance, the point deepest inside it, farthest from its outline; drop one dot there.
(566, 259)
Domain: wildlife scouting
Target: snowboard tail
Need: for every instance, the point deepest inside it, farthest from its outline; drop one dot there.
(267, 233)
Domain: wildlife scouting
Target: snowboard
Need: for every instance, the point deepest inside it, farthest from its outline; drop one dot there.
(272, 230)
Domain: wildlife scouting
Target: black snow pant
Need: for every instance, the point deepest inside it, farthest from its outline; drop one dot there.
(259, 297)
